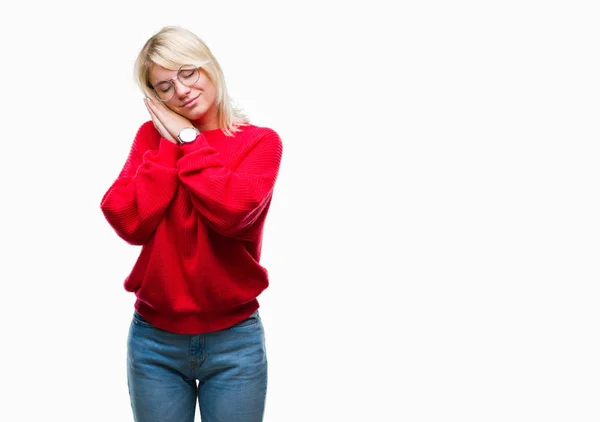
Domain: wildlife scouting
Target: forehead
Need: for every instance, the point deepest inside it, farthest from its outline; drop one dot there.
(158, 74)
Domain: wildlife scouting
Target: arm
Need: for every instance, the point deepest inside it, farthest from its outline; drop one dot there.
(231, 198)
(137, 200)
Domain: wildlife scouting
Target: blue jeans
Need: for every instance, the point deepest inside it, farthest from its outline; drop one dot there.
(225, 370)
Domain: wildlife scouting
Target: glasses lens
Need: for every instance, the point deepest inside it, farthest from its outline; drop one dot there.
(188, 75)
(164, 91)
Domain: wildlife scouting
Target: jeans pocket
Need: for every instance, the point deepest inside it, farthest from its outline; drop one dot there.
(139, 320)
(251, 320)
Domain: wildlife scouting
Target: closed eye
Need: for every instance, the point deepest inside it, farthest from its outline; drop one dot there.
(186, 74)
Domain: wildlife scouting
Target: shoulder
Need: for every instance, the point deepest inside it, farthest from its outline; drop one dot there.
(147, 137)
(147, 129)
(255, 134)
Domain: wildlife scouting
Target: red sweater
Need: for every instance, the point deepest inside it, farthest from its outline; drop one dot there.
(198, 210)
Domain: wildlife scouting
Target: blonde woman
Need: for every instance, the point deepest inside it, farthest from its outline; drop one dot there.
(195, 191)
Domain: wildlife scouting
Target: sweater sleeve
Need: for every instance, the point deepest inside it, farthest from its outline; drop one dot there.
(136, 201)
(231, 197)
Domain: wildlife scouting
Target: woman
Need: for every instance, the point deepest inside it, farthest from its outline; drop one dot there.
(195, 192)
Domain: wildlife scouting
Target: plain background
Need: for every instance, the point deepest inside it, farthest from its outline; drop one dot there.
(433, 240)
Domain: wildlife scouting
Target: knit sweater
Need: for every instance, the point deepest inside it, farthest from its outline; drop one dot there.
(199, 211)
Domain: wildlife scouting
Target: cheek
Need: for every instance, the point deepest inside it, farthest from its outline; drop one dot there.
(172, 107)
(213, 94)
(209, 95)
(208, 89)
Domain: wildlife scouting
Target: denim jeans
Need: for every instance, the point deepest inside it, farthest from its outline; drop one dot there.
(225, 370)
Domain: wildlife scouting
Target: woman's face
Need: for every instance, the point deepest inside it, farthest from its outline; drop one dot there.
(190, 93)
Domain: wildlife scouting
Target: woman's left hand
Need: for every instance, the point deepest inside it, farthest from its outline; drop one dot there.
(170, 120)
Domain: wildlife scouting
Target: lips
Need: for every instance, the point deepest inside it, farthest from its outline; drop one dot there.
(190, 102)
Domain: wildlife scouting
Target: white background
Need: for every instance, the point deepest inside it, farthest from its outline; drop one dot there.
(433, 241)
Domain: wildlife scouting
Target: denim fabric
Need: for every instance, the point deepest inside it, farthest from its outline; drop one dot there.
(225, 370)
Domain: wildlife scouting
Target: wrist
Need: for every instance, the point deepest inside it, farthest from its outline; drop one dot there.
(187, 135)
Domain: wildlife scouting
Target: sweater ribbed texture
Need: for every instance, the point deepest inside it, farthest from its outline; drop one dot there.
(198, 210)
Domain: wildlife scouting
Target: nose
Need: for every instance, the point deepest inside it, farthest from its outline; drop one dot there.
(180, 89)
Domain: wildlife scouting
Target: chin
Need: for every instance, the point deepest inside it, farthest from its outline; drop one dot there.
(194, 115)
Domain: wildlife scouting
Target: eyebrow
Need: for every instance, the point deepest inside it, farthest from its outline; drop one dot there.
(159, 82)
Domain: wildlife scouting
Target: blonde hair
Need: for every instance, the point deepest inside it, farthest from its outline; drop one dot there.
(172, 47)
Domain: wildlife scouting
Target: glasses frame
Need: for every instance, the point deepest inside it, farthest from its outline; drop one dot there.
(170, 81)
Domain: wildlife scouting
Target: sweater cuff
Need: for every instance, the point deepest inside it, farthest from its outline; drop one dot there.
(199, 143)
(167, 154)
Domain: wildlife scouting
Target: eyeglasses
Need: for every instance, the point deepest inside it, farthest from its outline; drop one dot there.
(187, 74)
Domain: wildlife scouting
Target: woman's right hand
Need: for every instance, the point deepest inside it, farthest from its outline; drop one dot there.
(158, 124)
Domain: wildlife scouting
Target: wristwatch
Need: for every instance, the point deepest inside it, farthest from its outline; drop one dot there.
(187, 135)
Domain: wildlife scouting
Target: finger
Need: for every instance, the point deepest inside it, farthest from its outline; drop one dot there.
(157, 107)
(160, 112)
(164, 116)
(155, 121)
(152, 112)
(149, 105)
(149, 108)
(170, 120)
(158, 124)
(161, 128)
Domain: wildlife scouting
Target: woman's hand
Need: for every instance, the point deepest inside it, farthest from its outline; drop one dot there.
(167, 122)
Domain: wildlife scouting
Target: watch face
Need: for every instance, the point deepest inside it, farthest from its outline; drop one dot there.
(188, 134)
